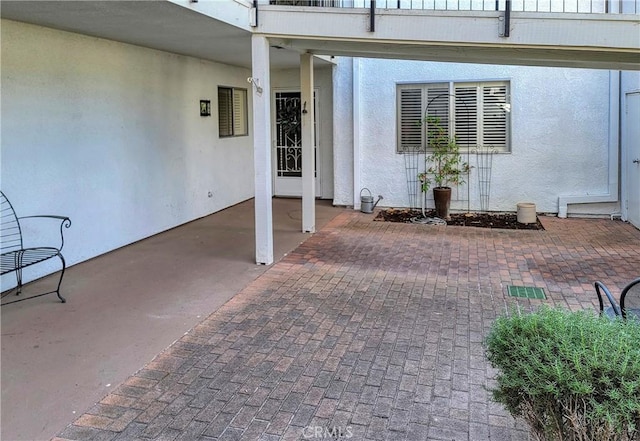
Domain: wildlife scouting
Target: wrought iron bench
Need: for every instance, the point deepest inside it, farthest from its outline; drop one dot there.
(15, 256)
(629, 305)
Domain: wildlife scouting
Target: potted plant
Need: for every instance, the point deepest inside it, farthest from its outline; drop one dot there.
(444, 166)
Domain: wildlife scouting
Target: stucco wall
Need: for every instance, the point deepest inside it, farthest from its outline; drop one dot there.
(343, 132)
(559, 134)
(110, 135)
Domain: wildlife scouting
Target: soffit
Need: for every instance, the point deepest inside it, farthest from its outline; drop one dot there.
(158, 25)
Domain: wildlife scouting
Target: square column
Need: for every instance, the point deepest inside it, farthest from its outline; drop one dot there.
(261, 92)
(308, 147)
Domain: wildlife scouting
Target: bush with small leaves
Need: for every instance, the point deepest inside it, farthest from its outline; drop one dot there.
(571, 376)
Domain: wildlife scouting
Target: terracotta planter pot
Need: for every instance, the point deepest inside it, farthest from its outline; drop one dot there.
(442, 198)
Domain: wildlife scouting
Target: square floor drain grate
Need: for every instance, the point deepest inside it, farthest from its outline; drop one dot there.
(526, 292)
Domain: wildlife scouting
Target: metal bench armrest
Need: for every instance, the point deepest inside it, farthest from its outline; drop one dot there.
(65, 222)
(630, 294)
(600, 288)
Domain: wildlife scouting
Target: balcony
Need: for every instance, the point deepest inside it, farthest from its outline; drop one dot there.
(564, 6)
(600, 34)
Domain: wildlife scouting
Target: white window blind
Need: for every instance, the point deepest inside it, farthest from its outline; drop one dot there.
(240, 122)
(466, 116)
(436, 108)
(225, 112)
(232, 112)
(410, 127)
(495, 111)
(477, 114)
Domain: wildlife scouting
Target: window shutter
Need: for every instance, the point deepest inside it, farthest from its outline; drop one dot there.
(466, 105)
(240, 112)
(494, 116)
(478, 114)
(225, 112)
(437, 106)
(410, 124)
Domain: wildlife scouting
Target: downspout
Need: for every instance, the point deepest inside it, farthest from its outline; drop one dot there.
(612, 194)
(356, 134)
(372, 16)
(253, 14)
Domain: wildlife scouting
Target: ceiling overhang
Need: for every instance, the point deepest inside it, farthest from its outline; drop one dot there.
(192, 29)
(456, 53)
(160, 25)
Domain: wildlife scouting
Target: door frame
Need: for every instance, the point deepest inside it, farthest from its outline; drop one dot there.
(628, 157)
(274, 154)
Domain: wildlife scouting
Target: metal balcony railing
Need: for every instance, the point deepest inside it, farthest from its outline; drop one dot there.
(569, 6)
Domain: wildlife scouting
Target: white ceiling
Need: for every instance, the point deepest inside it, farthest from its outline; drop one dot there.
(159, 25)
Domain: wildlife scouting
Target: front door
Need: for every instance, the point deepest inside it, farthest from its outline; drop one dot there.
(633, 158)
(288, 148)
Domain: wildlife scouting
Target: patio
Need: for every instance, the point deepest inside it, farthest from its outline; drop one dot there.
(368, 330)
(122, 309)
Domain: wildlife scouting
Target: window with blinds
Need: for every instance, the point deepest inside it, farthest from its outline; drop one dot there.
(477, 114)
(410, 120)
(232, 112)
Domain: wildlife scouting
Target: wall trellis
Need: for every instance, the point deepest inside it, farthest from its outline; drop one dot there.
(415, 156)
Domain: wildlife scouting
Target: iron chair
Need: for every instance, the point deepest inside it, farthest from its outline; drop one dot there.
(630, 300)
(612, 311)
(629, 305)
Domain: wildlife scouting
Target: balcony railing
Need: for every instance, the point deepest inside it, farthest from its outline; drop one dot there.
(569, 6)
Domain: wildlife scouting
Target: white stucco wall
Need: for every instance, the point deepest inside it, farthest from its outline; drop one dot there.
(343, 131)
(630, 81)
(110, 135)
(289, 80)
(559, 134)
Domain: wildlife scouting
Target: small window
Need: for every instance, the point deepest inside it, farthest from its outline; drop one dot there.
(477, 114)
(232, 112)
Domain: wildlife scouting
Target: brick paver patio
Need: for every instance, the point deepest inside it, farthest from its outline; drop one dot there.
(368, 331)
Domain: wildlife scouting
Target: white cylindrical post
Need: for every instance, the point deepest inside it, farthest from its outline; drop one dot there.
(261, 92)
(308, 147)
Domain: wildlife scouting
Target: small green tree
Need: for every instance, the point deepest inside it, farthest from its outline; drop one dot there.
(444, 165)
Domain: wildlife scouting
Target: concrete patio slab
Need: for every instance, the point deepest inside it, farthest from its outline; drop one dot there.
(122, 309)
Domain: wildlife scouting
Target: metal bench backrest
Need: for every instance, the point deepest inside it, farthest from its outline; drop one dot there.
(630, 297)
(10, 233)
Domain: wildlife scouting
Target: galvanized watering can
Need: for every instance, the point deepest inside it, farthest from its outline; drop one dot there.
(366, 202)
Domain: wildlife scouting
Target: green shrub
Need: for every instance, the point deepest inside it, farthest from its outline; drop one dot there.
(570, 375)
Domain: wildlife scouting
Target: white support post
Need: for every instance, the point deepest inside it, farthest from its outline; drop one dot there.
(356, 134)
(308, 154)
(261, 92)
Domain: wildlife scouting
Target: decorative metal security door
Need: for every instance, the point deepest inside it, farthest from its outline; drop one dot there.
(288, 145)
